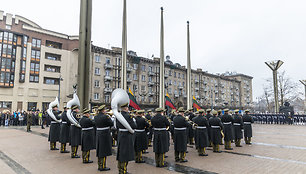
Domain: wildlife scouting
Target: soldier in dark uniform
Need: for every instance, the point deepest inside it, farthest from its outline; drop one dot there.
(75, 133)
(29, 121)
(125, 140)
(208, 116)
(247, 121)
(220, 116)
(227, 121)
(87, 138)
(180, 136)
(103, 123)
(216, 128)
(190, 131)
(150, 129)
(54, 131)
(141, 139)
(238, 126)
(65, 131)
(201, 134)
(160, 145)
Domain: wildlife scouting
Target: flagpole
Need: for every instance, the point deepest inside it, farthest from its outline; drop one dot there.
(189, 103)
(161, 62)
(124, 49)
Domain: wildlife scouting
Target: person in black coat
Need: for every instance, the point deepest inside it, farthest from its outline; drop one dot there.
(180, 136)
(103, 124)
(190, 131)
(216, 128)
(65, 131)
(125, 148)
(87, 138)
(150, 129)
(201, 134)
(141, 139)
(54, 131)
(160, 123)
(227, 121)
(238, 126)
(247, 121)
(75, 133)
(208, 116)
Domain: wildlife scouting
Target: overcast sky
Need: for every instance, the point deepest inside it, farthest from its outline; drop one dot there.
(226, 35)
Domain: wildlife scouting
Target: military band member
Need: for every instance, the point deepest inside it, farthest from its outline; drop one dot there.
(75, 133)
(125, 141)
(150, 129)
(180, 136)
(208, 116)
(87, 138)
(160, 145)
(190, 131)
(65, 131)
(103, 123)
(141, 140)
(201, 134)
(227, 121)
(216, 128)
(247, 120)
(54, 131)
(238, 126)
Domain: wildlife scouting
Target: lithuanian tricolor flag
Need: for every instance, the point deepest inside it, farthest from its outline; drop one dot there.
(169, 102)
(133, 101)
(195, 103)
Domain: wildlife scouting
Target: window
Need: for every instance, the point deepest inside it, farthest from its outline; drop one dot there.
(134, 76)
(97, 58)
(143, 88)
(183, 76)
(135, 88)
(174, 74)
(97, 71)
(150, 99)
(51, 68)
(9, 50)
(107, 72)
(4, 50)
(179, 75)
(51, 56)
(170, 73)
(24, 53)
(107, 97)
(183, 84)
(135, 66)
(36, 43)
(150, 78)
(34, 78)
(34, 68)
(35, 55)
(53, 44)
(5, 36)
(97, 84)
(107, 85)
(169, 90)
(51, 81)
(5, 105)
(150, 68)
(174, 82)
(143, 68)
(143, 78)
(107, 60)
(25, 40)
(10, 37)
(96, 96)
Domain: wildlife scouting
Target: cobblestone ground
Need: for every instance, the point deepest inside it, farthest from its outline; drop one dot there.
(275, 149)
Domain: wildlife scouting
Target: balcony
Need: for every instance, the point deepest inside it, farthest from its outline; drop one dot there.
(108, 90)
(166, 75)
(151, 93)
(196, 89)
(129, 69)
(197, 97)
(180, 87)
(185, 96)
(196, 81)
(205, 83)
(108, 78)
(108, 66)
(150, 83)
(176, 96)
(128, 80)
(151, 73)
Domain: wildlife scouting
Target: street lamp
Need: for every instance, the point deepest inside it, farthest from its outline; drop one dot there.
(274, 66)
(304, 83)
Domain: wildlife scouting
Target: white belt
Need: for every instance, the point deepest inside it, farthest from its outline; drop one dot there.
(215, 126)
(160, 129)
(64, 122)
(237, 124)
(54, 122)
(102, 128)
(139, 130)
(201, 127)
(179, 128)
(88, 128)
(123, 130)
(247, 122)
(227, 123)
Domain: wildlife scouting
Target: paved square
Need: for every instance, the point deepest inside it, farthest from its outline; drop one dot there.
(275, 149)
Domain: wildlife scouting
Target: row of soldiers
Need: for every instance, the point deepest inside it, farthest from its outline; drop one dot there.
(278, 118)
(182, 126)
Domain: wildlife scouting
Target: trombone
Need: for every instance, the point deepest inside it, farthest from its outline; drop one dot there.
(194, 125)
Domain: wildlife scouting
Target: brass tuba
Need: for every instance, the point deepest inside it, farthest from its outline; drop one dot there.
(49, 111)
(74, 101)
(120, 97)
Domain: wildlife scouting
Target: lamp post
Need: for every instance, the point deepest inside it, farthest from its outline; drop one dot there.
(274, 66)
(304, 83)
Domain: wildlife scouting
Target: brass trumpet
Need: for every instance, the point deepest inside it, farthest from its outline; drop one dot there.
(195, 125)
